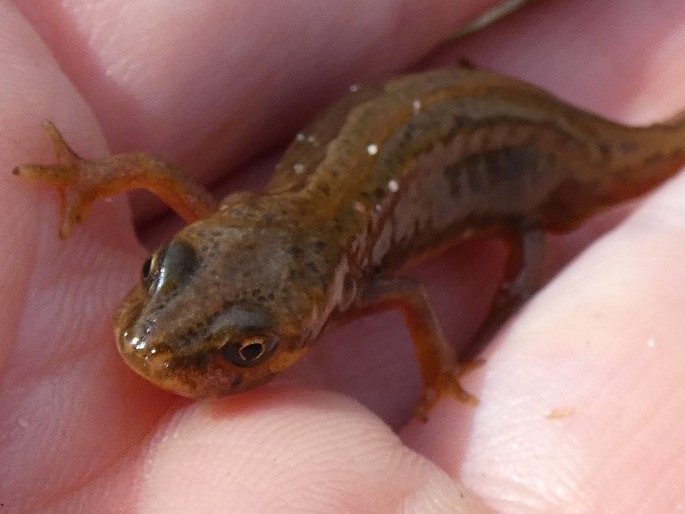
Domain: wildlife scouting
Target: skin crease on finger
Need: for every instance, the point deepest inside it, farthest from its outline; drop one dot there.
(569, 448)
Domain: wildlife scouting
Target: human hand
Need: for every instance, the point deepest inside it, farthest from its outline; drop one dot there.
(575, 405)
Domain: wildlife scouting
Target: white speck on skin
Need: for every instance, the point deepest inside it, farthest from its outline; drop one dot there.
(651, 342)
(378, 207)
(416, 104)
(359, 207)
(138, 344)
(372, 149)
(311, 139)
(393, 186)
(298, 168)
(355, 88)
(300, 137)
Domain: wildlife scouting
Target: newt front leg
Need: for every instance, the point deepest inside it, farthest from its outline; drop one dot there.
(440, 368)
(81, 182)
(436, 358)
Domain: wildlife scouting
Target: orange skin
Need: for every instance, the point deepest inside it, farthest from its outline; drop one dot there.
(522, 364)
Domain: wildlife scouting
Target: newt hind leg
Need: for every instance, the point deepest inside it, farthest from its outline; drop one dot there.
(523, 276)
(81, 182)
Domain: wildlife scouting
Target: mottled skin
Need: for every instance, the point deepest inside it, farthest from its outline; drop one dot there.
(384, 177)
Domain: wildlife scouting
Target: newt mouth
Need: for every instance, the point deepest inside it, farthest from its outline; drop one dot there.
(203, 375)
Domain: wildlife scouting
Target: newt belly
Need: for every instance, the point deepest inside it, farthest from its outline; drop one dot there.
(384, 176)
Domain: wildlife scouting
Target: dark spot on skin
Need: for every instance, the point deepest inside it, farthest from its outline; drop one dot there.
(319, 245)
(627, 147)
(605, 149)
(160, 306)
(497, 167)
(295, 274)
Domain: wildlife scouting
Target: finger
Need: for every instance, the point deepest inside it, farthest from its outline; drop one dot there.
(313, 452)
(63, 395)
(202, 84)
(582, 390)
(607, 58)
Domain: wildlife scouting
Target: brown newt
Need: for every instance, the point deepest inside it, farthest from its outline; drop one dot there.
(384, 176)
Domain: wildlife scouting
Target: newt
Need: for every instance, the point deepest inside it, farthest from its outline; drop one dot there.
(383, 177)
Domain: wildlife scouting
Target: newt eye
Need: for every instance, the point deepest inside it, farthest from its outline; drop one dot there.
(250, 350)
(168, 268)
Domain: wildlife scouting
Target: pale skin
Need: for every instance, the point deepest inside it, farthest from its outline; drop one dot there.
(582, 396)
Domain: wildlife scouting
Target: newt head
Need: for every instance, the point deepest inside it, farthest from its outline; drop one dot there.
(222, 308)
